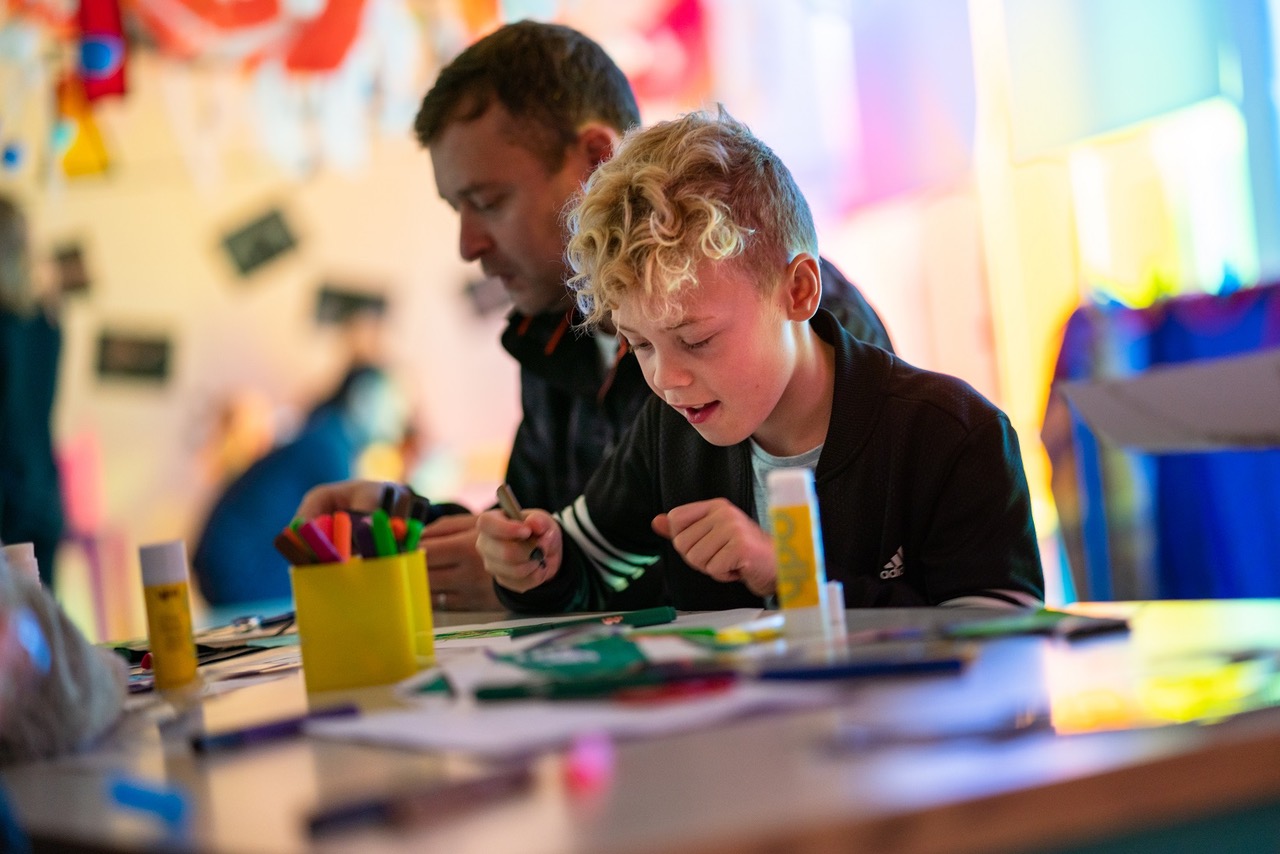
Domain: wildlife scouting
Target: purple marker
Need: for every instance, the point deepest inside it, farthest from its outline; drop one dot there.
(273, 731)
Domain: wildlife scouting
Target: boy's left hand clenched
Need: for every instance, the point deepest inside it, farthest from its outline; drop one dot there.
(717, 538)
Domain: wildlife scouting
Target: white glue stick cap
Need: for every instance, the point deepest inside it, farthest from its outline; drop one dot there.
(163, 563)
(790, 487)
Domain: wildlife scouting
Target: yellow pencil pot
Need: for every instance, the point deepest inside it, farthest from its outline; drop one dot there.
(363, 622)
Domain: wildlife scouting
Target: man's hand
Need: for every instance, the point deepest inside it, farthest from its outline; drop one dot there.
(717, 538)
(362, 496)
(456, 571)
(506, 546)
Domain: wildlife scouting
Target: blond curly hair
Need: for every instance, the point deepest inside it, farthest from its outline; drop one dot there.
(700, 187)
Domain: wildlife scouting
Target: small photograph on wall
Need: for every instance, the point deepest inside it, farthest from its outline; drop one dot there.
(72, 275)
(339, 304)
(130, 356)
(259, 242)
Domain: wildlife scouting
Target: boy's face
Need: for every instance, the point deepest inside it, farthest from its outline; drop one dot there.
(726, 356)
(508, 205)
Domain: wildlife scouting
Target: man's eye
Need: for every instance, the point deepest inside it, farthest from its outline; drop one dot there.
(487, 204)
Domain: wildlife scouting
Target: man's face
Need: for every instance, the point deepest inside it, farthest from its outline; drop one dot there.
(724, 359)
(508, 205)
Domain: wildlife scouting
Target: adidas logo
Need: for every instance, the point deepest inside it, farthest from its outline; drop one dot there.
(894, 568)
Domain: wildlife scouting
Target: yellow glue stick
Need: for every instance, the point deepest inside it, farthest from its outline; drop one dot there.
(797, 542)
(165, 588)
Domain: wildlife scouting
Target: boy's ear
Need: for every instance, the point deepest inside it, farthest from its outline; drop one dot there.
(803, 285)
(597, 142)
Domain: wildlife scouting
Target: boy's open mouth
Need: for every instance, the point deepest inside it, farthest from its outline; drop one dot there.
(698, 414)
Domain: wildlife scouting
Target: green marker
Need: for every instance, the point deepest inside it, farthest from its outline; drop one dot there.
(413, 533)
(384, 539)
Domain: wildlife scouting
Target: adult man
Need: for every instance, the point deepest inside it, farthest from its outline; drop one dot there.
(514, 125)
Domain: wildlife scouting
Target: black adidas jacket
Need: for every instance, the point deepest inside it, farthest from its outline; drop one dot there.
(914, 462)
(576, 409)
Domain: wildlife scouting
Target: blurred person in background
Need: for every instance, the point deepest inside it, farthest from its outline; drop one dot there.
(234, 561)
(30, 348)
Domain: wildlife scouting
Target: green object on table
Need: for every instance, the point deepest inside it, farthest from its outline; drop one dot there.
(590, 659)
(643, 617)
(1042, 622)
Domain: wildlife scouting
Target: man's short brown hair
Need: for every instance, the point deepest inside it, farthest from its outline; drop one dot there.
(550, 78)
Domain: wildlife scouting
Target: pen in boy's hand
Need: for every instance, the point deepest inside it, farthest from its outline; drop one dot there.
(511, 507)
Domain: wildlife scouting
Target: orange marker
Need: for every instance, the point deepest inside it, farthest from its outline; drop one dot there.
(399, 528)
(341, 536)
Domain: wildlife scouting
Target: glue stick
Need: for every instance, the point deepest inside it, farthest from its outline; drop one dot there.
(165, 588)
(797, 542)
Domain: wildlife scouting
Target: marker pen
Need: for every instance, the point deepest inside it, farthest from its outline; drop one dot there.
(384, 539)
(363, 545)
(413, 534)
(398, 530)
(272, 731)
(441, 800)
(319, 543)
(342, 534)
(291, 534)
(290, 549)
(512, 509)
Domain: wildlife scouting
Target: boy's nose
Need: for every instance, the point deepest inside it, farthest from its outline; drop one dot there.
(668, 373)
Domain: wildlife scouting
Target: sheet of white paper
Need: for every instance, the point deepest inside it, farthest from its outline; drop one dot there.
(1214, 404)
(519, 727)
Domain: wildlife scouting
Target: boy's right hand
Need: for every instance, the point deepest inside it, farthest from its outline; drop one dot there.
(507, 546)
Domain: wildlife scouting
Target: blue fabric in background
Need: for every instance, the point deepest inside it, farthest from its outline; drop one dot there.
(1169, 526)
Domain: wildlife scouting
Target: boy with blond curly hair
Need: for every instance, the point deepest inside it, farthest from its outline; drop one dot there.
(695, 243)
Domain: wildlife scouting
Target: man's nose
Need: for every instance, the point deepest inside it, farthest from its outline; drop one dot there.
(473, 238)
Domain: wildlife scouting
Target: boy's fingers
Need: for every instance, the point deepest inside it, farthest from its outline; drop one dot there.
(662, 525)
(685, 515)
(495, 525)
(539, 522)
